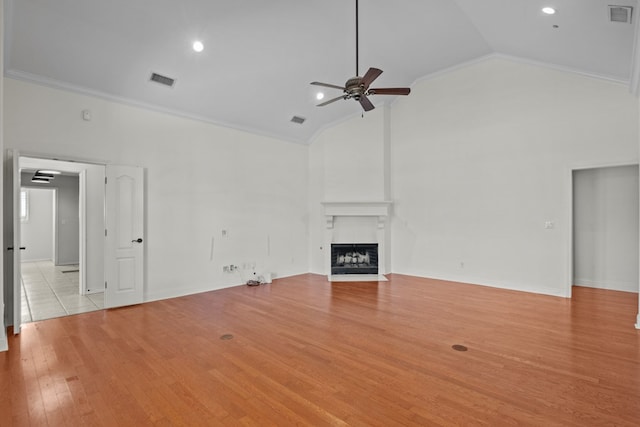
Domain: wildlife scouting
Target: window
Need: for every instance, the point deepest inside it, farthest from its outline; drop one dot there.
(24, 205)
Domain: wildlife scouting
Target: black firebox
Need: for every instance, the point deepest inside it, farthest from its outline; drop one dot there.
(354, 258)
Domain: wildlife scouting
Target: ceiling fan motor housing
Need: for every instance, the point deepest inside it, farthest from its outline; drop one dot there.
(354, 87)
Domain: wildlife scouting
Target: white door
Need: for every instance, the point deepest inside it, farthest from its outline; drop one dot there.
(124, 236)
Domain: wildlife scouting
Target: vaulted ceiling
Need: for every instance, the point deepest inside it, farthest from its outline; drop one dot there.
(260, 56)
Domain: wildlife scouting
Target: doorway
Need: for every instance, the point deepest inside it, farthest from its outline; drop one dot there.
(70, 279)
(50, 235)
(111, 243)
(605, 228)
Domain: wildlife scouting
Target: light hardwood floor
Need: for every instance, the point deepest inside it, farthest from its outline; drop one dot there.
(308, 352)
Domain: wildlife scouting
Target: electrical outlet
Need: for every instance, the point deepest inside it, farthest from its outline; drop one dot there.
(225, 268)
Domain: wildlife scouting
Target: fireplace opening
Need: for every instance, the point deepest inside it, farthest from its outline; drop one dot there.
(354, 258)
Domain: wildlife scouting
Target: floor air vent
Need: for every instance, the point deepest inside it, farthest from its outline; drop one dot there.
(620, 14)
(163, 80)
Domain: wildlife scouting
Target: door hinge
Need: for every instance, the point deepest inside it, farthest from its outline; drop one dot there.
(105, 180)
(105, 232)
(105, 285)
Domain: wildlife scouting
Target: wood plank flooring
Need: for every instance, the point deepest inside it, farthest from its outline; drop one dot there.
(308, 352)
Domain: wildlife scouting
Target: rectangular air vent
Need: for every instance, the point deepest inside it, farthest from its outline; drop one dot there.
(297, 119)
(163, 80)
(620, 14)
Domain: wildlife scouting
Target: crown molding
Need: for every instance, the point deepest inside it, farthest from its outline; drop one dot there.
(520, 60)
(563, 68)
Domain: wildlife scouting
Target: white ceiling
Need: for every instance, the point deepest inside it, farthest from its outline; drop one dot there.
(260, 56)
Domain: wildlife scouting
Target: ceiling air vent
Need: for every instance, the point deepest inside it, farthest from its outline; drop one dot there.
(163, 80)
(297, 119)
(620, 14)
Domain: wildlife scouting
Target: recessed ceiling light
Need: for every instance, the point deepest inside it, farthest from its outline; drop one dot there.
(319, 96)
(198, 46)
(548, 10)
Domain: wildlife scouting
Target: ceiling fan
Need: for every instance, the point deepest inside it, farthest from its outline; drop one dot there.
(358, 87)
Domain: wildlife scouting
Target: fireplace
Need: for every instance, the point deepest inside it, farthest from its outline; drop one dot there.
(356, 221)
(354, 258)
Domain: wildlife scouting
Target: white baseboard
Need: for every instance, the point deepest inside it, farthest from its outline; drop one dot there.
(612, 285)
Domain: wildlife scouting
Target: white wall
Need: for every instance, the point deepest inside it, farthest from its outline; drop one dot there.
(354, 159)
(315, 195)
(201, 179)
(605, 211)
(481, 159)
(37, 232)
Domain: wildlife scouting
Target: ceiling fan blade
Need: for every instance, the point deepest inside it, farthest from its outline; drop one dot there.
(390, 91)
(330, 101)
(327, 85)
(366, 104)
(371, 75)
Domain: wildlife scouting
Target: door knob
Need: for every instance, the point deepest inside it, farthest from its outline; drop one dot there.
(22, 248)
(138, 240)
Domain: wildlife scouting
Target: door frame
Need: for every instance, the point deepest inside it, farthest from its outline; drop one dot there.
(16, 154)
(82, 211)
(14, 160)
(569, 220)
(54, 219)
(82, 237)
(84, 189)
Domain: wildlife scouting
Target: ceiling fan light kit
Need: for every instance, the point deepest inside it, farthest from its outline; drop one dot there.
(358, 87)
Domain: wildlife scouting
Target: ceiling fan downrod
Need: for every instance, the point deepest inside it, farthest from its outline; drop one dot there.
(357, 51)
(357, 87)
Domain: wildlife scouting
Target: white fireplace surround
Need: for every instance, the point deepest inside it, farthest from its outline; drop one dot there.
(378, 209)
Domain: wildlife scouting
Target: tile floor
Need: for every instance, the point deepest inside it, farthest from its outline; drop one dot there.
(47, 292)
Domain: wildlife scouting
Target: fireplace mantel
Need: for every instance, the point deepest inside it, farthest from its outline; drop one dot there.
(379, 209)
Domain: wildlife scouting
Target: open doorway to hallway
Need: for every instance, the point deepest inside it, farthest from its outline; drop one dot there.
(61, 226)
(605, 228)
